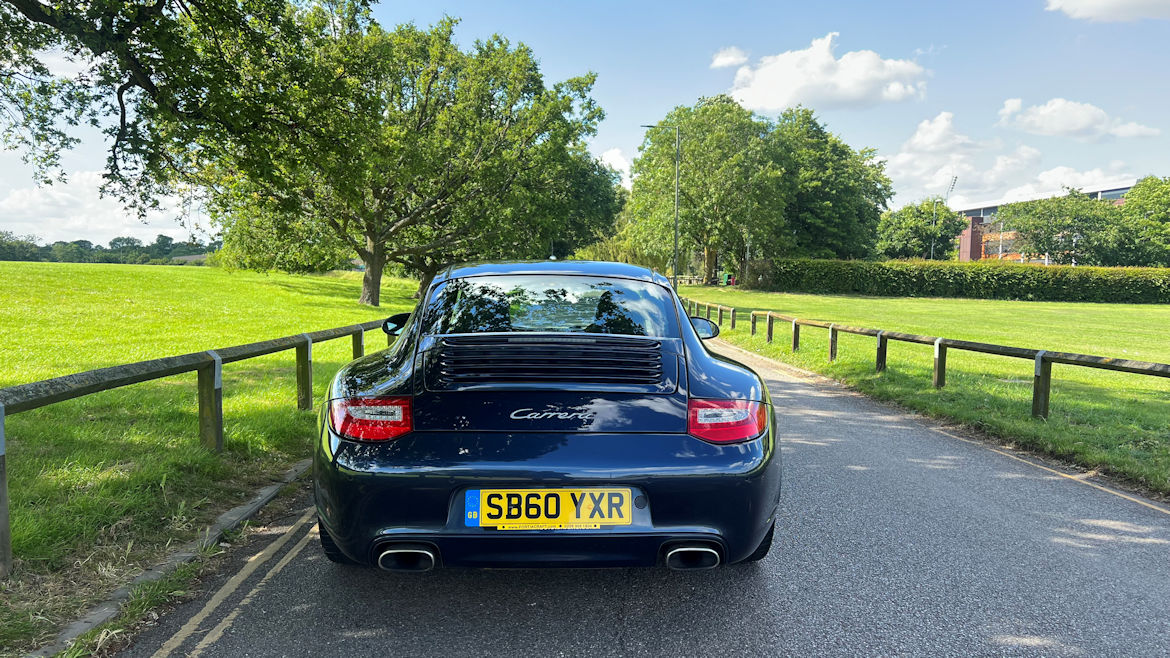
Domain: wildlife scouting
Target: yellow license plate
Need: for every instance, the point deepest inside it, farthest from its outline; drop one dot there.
(545, 509)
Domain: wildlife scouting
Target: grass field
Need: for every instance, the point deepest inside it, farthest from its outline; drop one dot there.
(1116, 422)
(100, 485)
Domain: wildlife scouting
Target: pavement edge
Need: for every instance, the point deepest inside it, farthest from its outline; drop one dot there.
(109, 609)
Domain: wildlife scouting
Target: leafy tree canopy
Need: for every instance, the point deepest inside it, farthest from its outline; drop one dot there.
(840, 192)
(183, 81)
(923, 230)
(732, 171)
(1145, 230)
(1070, 229)
(786, 187)
(439, 155)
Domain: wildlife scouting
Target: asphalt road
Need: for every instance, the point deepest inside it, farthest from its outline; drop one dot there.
(895, 538)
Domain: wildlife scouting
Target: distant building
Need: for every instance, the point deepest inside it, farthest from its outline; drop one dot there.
(980, 240)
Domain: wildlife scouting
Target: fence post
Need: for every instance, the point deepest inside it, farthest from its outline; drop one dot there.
(1041, 385)
(940, 364)
(753, 324)
(305, 374)
(795, 335)
(832, 341)
(359, 343)
(210, 388)
(5, 528)
(720, 322)
(771, 325)
(732, 311)
(882, 343)
(708, 310)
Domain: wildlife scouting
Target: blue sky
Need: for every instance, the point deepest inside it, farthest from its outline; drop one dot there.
(1015, 99)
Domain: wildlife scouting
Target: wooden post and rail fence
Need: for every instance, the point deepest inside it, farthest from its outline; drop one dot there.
(1042, 359)
(209, 385)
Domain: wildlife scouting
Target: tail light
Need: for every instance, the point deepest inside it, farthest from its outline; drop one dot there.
(726, 421)
(371, 419)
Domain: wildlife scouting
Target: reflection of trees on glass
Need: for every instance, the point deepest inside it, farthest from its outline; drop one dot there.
(466, 307)
(611, 318)
(529, 304)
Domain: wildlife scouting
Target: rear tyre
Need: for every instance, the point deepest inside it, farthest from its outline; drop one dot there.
(330, 548)
(762, 550)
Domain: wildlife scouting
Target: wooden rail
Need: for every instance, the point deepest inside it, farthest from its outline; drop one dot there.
(1043, 359)
(209, 385)
(692, 308)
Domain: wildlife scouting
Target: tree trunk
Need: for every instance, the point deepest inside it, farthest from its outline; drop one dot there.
(424, 281)
(375, 261)
(709, 265)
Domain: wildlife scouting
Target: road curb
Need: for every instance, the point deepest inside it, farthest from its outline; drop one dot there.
(109, 609)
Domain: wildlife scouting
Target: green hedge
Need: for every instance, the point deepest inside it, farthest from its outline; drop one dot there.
(981, 280)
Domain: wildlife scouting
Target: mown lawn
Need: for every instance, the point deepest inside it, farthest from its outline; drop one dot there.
(1116, 422)
(100, 485)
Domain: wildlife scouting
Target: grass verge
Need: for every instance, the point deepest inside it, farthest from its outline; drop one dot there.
(149, 601)
(103, 485)
(1116, 423)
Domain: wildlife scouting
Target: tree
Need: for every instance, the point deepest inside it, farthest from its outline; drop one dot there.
(68, 252)
(127, 248)
(626, 242)
(1070, 229)
(840, 193)
(162, 247)
(184, 81)
(732, 182)
(18, 247)
(436, 154)
(1144, 233)
(911, 231)
(782, 188)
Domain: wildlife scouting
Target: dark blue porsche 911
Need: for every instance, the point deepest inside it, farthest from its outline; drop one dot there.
(547, 414)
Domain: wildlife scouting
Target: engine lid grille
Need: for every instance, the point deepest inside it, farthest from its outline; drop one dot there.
(606, 362)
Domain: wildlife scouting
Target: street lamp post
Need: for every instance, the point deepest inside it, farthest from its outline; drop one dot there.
(934, 221)
(677, 155)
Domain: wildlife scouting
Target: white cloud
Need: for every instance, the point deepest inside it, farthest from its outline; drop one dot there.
(1054, 181)
(938, 134)
(986, 171)
(731, 56)
(75, 211)
(618, 161)
(1010, 107)
(1111, 10)
(816, 77)
(1060, 117)
(929, 50)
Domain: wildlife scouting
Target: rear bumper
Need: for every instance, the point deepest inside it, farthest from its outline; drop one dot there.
(411, 490)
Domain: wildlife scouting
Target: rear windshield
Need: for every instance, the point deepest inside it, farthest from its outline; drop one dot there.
(569, 304)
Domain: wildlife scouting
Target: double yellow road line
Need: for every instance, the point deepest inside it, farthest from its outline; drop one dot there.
(233, 584)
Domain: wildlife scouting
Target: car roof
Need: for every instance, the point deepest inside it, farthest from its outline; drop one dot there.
(563, 267)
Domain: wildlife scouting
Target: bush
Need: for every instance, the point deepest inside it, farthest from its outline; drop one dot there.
(981, 280)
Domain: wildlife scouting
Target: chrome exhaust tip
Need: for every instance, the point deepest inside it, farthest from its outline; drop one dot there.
(406, 558)
(692, 558)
